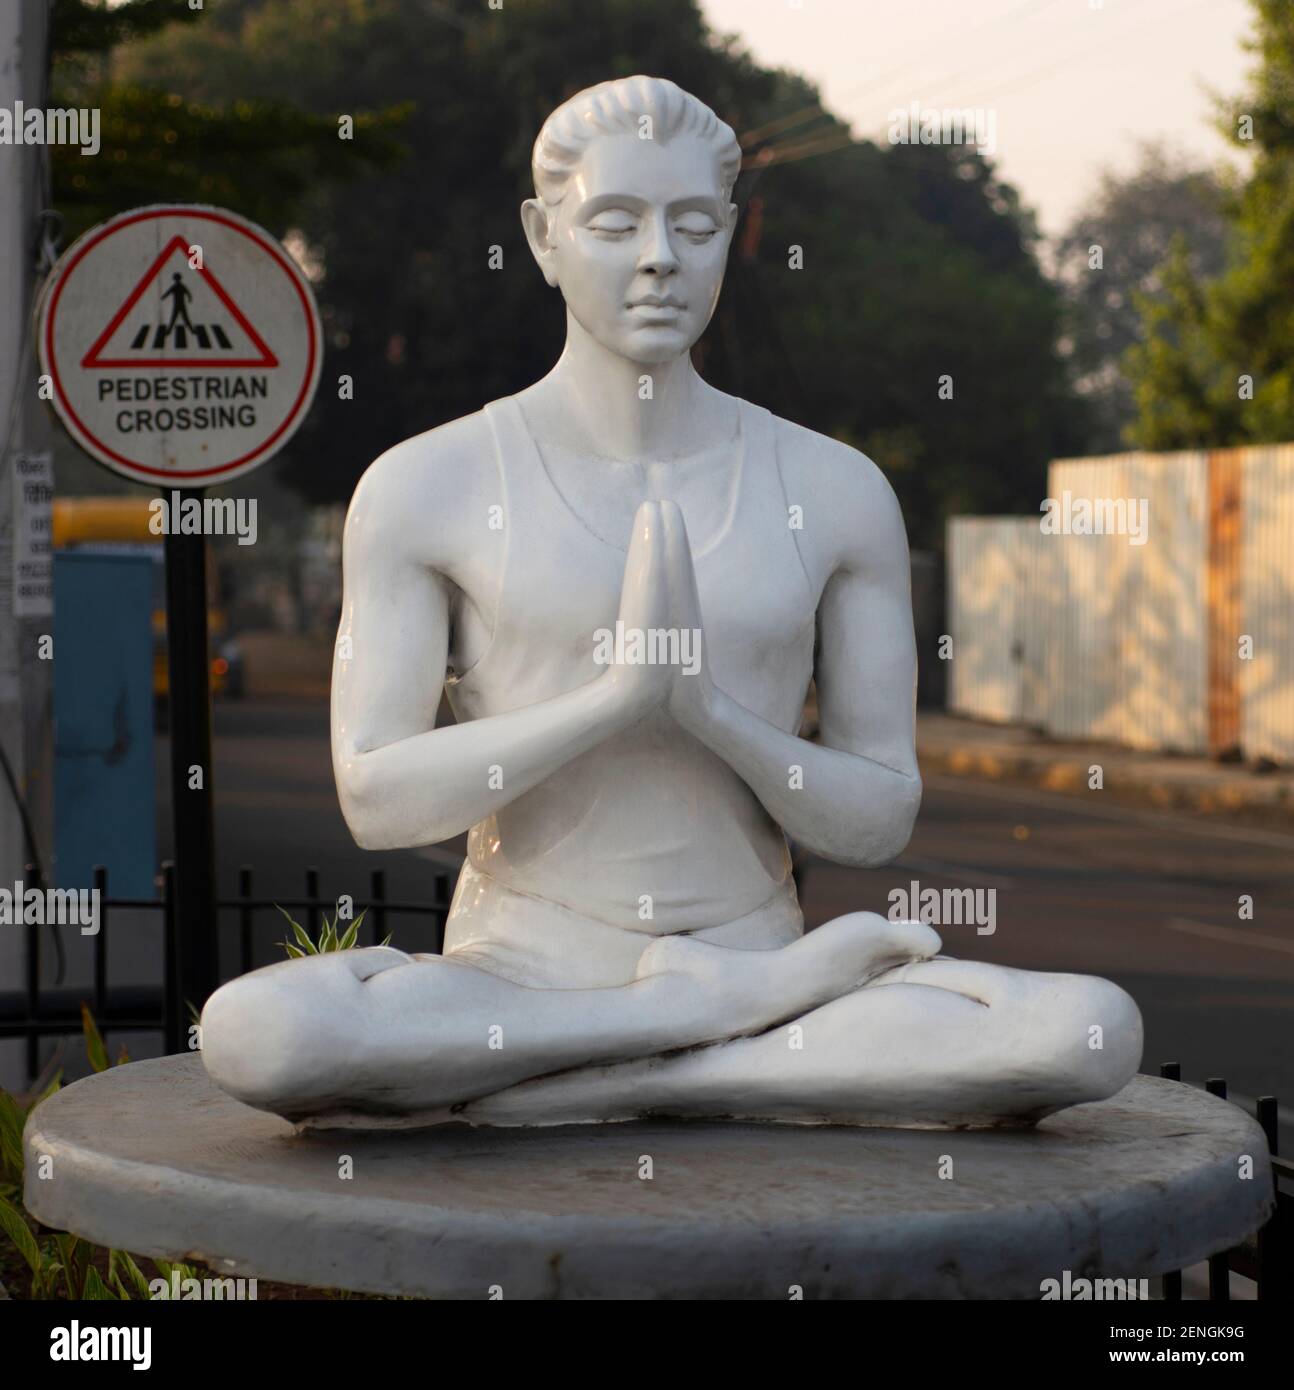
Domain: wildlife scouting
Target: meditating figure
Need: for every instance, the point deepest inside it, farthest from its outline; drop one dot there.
(625, 581)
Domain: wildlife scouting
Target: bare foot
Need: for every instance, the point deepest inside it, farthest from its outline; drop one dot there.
(748, 991)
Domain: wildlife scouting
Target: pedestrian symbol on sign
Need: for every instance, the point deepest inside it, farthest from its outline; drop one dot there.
(192, 322)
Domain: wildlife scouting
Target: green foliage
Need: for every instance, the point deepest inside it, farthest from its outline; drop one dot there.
(259, 157)
(94, 1047)
(15, 1226)
(1136, 220)
(13, 1118)
(125, 1273)
(62, 1265)
(329, 938)
(93, 28)
(1202, 336)
(916, 257)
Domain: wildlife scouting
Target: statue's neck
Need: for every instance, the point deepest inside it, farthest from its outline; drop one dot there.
(599, 402)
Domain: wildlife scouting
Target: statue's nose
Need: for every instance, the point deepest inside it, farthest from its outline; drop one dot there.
(658, 256)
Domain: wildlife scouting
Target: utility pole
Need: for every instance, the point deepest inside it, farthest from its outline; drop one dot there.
(25, 444)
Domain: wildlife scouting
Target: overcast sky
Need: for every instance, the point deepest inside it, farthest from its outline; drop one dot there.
(1074, 83)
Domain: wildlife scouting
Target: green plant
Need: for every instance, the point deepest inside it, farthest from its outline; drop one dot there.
(62, 1265)
(329, 940)
(95, 1048)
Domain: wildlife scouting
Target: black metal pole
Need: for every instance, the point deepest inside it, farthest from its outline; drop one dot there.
(1270, 1273)
(245, 949)
(31, 879)
(1219, 1265)
(101, 944)
(379, 911)
(1172, 1281)
(191, 772)
(172, 1017)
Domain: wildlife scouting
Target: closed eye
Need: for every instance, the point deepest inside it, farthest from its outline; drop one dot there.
(612, 231)
(699, 235)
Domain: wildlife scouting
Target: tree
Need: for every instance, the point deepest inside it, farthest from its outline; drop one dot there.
(1215, 368)
(1116, 250)
(918, 262)
(257, 157)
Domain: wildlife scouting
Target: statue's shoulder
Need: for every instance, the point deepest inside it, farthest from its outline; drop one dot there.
(850, 494)
(449, 453)
(425, 485)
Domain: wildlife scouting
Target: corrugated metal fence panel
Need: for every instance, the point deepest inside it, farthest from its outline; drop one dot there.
(1040, 571)
(1077, 613)
(985, 601)
(1124, 623)
(1096, 637)
(1165, 657)
(1267, 588)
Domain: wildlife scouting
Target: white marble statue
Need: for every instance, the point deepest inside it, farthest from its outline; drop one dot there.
(625, 580)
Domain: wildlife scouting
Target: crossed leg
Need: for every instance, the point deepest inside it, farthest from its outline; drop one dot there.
(376, 1032)
(855, 1023)
(939, 1043)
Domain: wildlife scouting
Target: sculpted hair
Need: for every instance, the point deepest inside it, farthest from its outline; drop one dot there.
(616, 108)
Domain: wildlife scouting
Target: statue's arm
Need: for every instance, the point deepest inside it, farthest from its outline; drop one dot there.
(857, 794)
(401, 781)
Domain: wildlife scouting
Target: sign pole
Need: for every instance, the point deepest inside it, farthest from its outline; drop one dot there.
(182, 347)
(194, 969)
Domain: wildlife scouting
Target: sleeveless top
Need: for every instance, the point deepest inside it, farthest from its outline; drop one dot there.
(650, 814)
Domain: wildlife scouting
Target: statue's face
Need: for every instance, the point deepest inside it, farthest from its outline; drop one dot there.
(638, 244)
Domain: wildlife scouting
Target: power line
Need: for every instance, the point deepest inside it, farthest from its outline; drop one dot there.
(945, 81)
(1028, 79)
(1027, 9)
(789, 151)
(1034, 7)
(801, 117)
(829, 141)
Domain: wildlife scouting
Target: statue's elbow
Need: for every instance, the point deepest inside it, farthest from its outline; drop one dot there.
(361, 804)
(381, 810)
(884, 842)
(905, 815)
(366, 829)
(368, 835)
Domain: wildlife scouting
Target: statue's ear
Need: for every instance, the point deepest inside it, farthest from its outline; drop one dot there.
(534, 221)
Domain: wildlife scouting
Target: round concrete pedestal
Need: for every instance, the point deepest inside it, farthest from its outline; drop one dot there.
(152, 1158)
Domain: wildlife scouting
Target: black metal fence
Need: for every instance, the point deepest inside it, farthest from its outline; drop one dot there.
(1267, 1257)
(35, 1013)
(38, 1012)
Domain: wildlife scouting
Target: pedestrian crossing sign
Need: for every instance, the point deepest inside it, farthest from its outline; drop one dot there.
(179, 345)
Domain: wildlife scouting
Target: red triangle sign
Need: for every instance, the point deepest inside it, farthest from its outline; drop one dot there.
(195, 324)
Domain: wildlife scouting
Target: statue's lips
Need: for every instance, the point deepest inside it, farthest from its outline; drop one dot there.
(662, 308)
